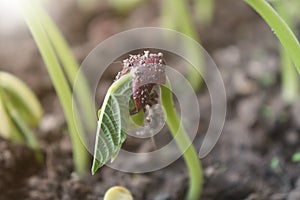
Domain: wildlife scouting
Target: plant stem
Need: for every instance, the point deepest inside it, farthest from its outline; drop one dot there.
(59, 81)
(205, 10)
(184, 143)
(280, 28)
(69, 64)
(176, 16)
(289, 76)
(187, 27)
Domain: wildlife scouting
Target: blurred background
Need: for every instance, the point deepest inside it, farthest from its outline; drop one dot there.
(257, 154)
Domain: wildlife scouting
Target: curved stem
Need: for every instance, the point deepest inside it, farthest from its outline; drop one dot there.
(184, 143)
(280, 28)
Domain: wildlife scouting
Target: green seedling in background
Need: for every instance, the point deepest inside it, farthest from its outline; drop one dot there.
(204, 10)
(289, 77)
(115, 113)
(20, 111)
(176, 15)
(280, 28)
(124, 6)
(289, 42)
(59, 61)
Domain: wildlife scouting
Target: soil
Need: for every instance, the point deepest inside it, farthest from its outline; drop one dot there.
(260, 127)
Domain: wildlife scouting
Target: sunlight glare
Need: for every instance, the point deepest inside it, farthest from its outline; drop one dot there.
(10, 15)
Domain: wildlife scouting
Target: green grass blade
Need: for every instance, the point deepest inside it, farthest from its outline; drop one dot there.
(70, 66)
(289, 76)
(280, 28)
(176, 15)
(59, 81)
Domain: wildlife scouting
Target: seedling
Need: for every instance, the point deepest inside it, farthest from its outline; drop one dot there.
(176, 15)
(280, 28)
(118, 193)
(129, 95)
(289, 77)
(204, 10)
(20, 111)
(63, 69)
(289, 42)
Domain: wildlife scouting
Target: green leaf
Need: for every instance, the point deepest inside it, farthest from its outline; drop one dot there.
(113, 122)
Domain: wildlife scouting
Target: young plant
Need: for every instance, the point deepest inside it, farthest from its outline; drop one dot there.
(288, 40)
(176, 15)
(289, 77)
(62, 68)
(20, 111)
(117, 192)
(204, 10)
(132, 91)
(280, 28)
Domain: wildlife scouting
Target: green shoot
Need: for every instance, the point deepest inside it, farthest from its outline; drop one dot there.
(58, 79)
(124, 6)
(117, 192)
(204, 10)
(289, 77)
(114, 117)
(20, 111)
(69, 65)
(176, 16)
(280, 28)
(184, 143)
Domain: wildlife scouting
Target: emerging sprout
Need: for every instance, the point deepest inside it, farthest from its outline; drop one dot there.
(129, 95)
(20, 111)
(118, 193)
(18, 107)
(148, 71)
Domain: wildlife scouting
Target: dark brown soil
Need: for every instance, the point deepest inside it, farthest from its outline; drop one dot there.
(260, 127)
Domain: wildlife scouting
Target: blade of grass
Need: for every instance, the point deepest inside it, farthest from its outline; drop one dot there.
(176, 16)
(59, 81)
(187, 27)
(280, 28)
(204, 10)
(69, 64)
(289, 76)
